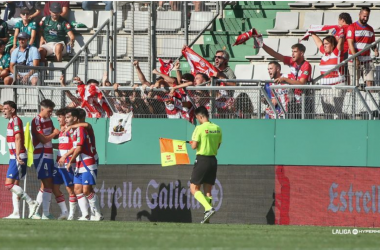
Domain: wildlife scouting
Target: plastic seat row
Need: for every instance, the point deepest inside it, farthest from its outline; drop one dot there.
(283, 46)
(287, 22)
(330, 4)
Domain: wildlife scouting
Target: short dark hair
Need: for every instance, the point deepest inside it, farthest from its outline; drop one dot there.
(92, 81)
(278, 65)
(201, 111)
(62, 111)
(47, 104)
(82, 113)
(204, 76)
(300, 47)
(11, 104)
(365, 9)
(74, 112)
(346, 17)
(188, 77)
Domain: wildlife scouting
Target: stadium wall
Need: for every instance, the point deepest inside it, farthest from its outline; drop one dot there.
(246, 142)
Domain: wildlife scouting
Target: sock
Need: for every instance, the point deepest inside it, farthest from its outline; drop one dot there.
(61, 203)
(20, 193)
(73, 202)
(201, 198)
(46, 200)
(16, 204)
(94, 203)
(39, 198)
(83, 204)
(209, 199)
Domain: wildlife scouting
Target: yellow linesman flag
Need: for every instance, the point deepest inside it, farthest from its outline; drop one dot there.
(28, 144)
(173, 152)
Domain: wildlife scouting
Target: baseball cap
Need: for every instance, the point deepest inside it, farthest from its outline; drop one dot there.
(23, 35)
(55, 7)
(24, 10)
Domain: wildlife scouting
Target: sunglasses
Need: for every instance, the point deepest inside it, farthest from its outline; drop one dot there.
(219, 57)
(22, 39)
(24, 14)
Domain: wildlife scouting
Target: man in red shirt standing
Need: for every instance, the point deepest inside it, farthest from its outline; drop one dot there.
(300, 74)
(359, 35)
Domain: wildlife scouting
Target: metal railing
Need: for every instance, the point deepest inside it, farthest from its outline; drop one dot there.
(238, 102)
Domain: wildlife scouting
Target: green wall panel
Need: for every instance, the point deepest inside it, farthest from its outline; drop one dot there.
(245, 142)
(321, 142)
(373, 159)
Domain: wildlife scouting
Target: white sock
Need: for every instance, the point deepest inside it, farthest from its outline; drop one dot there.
(46, 200)
(61, 203)
(39, 199)
(16, 204)
(83, 204)
(20, 193)
(73, 202)
(94, 203)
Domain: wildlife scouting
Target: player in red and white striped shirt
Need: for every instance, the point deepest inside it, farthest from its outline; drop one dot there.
(43, 132)
(359, 35)
(18, 159)
(86, 166)
(60, 174)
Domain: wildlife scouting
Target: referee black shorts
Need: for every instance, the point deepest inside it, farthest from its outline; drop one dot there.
(204, 170)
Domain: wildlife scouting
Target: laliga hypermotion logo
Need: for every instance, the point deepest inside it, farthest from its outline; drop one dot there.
(168, 157)
(179, 146)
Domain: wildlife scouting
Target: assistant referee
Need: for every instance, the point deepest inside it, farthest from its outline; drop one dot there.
(206, 139)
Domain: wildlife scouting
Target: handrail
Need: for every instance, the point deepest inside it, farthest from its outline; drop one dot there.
(87, 43)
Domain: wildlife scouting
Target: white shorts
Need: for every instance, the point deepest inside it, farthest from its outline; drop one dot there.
(50, 48)
(24, 74)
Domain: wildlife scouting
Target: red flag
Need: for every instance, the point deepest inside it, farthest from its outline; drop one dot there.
(243, 37)
(316, 28)
(166, 66)
(198, 63)
(93, 101)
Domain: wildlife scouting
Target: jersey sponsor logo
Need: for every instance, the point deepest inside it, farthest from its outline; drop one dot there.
(16, 128)
(306, 73)
(53, 32)
(206, 131)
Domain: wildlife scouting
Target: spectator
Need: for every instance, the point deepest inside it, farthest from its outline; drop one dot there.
(274, 71)
(345, 21)
(87, 5)
(5, 60)
(332, 51)
(359, 35)
(25, 25)
(54, 29)
(300, 74)
(3, 30)
(221, 60)
(24, 55)
(16, 7)
(65, 6)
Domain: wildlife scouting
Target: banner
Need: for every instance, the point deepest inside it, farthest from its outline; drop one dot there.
(198, 63)
(327, 196)
(317, 28)
(120, 129)
(173, 152)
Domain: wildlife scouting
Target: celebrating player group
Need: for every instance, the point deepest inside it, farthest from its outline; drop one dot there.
(75, 166)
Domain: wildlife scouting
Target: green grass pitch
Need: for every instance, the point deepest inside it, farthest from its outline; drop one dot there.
(32, 234)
